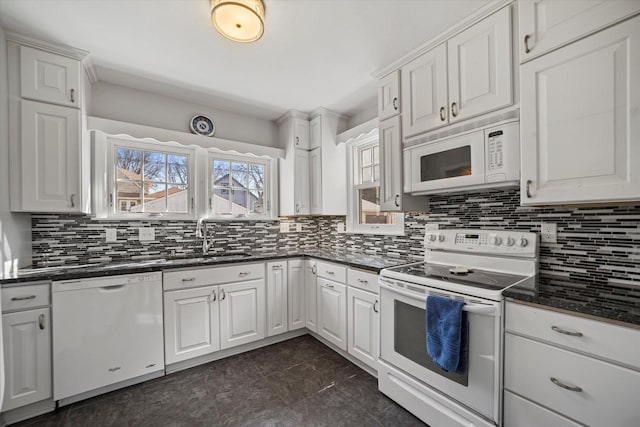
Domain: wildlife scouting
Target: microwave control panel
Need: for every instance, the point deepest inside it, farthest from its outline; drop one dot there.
(502, 153)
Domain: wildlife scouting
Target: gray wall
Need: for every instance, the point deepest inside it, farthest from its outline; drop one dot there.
(15, 229)
(125, 104)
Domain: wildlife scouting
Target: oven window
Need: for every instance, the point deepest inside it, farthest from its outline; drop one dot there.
(446, 164)
(410, 340)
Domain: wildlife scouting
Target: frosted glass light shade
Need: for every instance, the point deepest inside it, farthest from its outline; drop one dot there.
(238, 20)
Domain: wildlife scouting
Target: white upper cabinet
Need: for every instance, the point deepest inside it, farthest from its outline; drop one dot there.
(424, 92)
(580, 122)
(480, 67)
(301, 133)
(548, 24)
(301, 183)
(242, 313)
(296, 294)
(50, 158)
(315, 133)
(315, 181)
(391, 165)
(277, 319)
(388, 94)
(49, 78)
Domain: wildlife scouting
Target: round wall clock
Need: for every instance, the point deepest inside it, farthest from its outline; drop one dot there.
(202, 125)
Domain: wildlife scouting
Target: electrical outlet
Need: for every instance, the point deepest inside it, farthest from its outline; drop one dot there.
(432, 227)
(298, 227)
(284, 227)
(146, 234)
(340, 227)
(111, 235)
(548, 232)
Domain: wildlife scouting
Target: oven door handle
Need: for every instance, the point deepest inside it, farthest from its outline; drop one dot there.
(489, 310)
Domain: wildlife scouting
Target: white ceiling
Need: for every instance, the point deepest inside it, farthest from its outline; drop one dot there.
(313, 52)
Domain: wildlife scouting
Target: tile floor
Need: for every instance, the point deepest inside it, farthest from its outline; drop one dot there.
(299, 382)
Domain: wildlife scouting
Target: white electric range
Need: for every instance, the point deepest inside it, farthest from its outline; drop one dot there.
(471, 265)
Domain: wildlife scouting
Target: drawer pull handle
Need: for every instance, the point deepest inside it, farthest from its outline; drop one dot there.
(223, 295)
(276, 267)
(330, 272)
(73, 97)
(117, 368)
(364, 282)
(23, 298)
(375, 306)
(565, 332)
(313, 270)
(566, 387)
(41, 321)
(245, 273)
(213, 296)
(330, 286)
(526, 43)
(395, 103)
(189, 279)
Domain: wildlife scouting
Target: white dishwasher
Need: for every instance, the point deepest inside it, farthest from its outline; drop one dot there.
(105, 331)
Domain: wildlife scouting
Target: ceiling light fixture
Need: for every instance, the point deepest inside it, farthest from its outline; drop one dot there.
(238, 20)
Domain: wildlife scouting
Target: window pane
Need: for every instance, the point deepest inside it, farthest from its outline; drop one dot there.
(366, 174)
(129, 163)
(369, 208)
(256, 202)
(221, 201)
(155, 198)
(256, 176)
(221, 173)
(178, 198)
(155, 165)
(239, 199)
(239, 175)
(177, 169)
(128, 195)
(376, 155)
(366, 157)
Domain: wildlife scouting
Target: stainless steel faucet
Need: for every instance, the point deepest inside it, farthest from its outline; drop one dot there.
(201, 232)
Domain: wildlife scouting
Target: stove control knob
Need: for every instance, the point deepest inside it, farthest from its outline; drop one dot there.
(523, 242)
(510, 241)
(440, 237)
(495, 240)
(432, 237)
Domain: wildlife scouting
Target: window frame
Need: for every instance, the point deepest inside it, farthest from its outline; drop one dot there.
(354, 167)
(270, 178)
(115, 142)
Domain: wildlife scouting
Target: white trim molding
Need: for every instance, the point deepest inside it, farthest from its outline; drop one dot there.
(362, 130)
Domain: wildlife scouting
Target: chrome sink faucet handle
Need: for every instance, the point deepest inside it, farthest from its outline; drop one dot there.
(201, 232)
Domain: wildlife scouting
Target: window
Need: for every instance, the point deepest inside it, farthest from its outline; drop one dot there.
(150, 179)
(238, 186)
(364, 200)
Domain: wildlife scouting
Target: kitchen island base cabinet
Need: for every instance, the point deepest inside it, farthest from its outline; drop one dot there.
(363, 326)
(242, 313)
(332, 312)
(191, 325)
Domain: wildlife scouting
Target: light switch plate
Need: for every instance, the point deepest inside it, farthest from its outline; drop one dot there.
(284, 227)
(111, 235)
(548, 232)
(146, 234)
(432, 227)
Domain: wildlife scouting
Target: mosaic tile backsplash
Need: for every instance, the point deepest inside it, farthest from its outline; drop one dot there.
(595, 244)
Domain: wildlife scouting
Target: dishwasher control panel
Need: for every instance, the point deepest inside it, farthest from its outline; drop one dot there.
(107, 281)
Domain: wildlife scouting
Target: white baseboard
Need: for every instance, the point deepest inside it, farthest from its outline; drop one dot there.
(25, 412)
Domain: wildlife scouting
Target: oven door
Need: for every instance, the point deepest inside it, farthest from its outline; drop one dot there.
(403, 345)
(449, 164)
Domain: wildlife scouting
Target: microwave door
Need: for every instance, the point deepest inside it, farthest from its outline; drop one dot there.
(449, 164)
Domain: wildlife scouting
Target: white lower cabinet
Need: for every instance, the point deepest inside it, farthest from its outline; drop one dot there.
(242, 313)
(277, 320)
(296, 294)
(332, 312)
(27, 357)
(363, 325)
(191, 323)
(311, 296)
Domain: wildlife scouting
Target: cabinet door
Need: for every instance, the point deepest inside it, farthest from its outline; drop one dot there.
(242, 313)
(191, 323)
(277, 319)
(580, 121)
(311, 294)
(50, 78)
(547, 24)
(315, 133)
(424, 92)
(390, 166)
(480, 67)
(315, 181)
(296, 293)
(332, 312)
(301, 185)
(301, 133)
(50, 143)
(27, 357)
(363, 326)
(388, 93)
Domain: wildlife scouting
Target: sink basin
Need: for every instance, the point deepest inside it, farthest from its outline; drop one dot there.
(37, 270)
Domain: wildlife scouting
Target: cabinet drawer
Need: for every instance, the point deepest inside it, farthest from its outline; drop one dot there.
(334, 272)
(363, 280)
(212, 276)
(23, 297)
(519, 412)
(607, 393)
(613, 342)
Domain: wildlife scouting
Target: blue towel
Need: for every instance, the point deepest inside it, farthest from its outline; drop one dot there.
(444, 332)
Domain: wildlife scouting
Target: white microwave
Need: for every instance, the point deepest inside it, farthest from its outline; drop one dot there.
(484, 158)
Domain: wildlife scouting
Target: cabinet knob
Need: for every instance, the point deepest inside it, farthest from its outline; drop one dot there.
(454, 109)
(73, 95)
(395, 103)
(526, 43)
(443, 114)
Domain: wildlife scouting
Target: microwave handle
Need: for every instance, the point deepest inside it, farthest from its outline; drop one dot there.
(483, 309)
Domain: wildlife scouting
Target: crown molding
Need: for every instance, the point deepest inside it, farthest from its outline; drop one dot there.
(68, 51)
(322, 111)
(292, 114)
(90, 70)
(469, 21)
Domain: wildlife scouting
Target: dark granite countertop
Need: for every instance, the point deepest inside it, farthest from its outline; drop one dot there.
(366, 262)
(601, 300)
